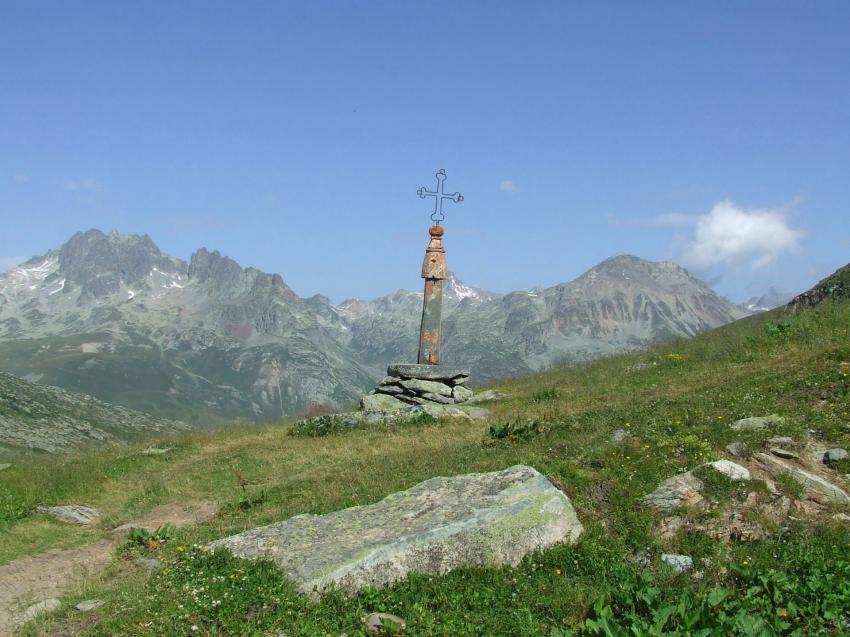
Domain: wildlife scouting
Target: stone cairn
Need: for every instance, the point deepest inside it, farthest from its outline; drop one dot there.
(424, 384)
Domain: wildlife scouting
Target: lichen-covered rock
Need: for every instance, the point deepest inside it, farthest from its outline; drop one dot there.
(757, 422)
(679, 563)
(71, 513)
(478, 519)
(461, 394)
(681, 490)
(816, 488)
(426, 387)
(382, 403)
(426, 372)
(731, 470)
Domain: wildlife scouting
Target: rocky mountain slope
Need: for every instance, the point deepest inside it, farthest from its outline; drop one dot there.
(43, 418)
(210, 341)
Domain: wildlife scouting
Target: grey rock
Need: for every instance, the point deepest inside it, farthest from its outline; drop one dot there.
(460, 380)
(391, 380)
(426, 372)
(40, 608)
(781, 441)
(154, 451)
(757, 422)
(438, 411)
(816, 488)
(71, 513)
(389, 389)
(461, 394)
(731, 470)
(479, 519)
(678, 491)
(679, 563)
(486, 395)
(475, 413)
(377, 623)
(834, 455)
(89, 605)
(437, 398)
(381, 403)
(149, 564)
(783, 453)
(419, 386)
(736, 449)
(619, 435)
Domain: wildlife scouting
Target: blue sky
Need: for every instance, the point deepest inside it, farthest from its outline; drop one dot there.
(293, 136)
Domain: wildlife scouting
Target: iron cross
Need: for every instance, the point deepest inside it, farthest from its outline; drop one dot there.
(437, 216)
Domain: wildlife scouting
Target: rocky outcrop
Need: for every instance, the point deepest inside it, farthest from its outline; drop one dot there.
(479, 519)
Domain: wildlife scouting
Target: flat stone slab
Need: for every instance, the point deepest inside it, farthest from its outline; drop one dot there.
(71, 513)
(816, 487)
(425, 372)
(478, 519)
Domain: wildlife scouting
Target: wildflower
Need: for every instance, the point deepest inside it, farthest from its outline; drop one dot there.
(557, 571)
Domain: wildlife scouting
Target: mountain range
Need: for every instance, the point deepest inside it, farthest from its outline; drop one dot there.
(210, 341)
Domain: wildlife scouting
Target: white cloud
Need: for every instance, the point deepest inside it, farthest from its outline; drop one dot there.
(508, 185)
(7, 263)
(83, 184)
(730, 235)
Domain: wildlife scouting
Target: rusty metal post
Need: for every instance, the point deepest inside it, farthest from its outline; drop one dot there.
(434, 272)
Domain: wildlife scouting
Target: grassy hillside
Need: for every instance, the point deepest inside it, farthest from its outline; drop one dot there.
(675, 401)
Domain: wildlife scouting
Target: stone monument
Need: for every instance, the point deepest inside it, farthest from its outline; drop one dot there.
(428, 382)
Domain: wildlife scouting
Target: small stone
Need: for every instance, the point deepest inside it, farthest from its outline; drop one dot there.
(154, 451)
(391, 380)
(780, 441)
(421, 387)
(484, 396)
(757, 422)
(41, 607)
(834, 455)
(679, 563)
(382, 403)
(619, 435)
(89, 604)
(736, 449)
(148, 563)
(4, 465)
(426, 372)
(384, 624)
(731, 470)
(783, 453)
(71, 513)
(680, 490)
(461, 394)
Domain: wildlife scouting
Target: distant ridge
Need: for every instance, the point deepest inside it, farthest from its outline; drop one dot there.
(210, 341)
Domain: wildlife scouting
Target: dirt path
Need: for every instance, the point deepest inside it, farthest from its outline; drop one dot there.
(50, 575)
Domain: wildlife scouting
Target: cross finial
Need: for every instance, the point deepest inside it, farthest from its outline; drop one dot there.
(437, 216)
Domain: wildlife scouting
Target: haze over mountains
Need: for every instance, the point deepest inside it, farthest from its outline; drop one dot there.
(210, 341)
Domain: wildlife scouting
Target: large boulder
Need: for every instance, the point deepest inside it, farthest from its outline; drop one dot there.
(478, 519)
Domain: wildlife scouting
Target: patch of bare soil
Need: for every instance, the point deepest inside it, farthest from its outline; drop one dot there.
(50, 575)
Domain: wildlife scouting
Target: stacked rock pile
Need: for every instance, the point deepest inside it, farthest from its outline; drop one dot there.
(423, 384)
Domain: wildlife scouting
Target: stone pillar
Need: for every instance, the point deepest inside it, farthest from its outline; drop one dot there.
(434, 272)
